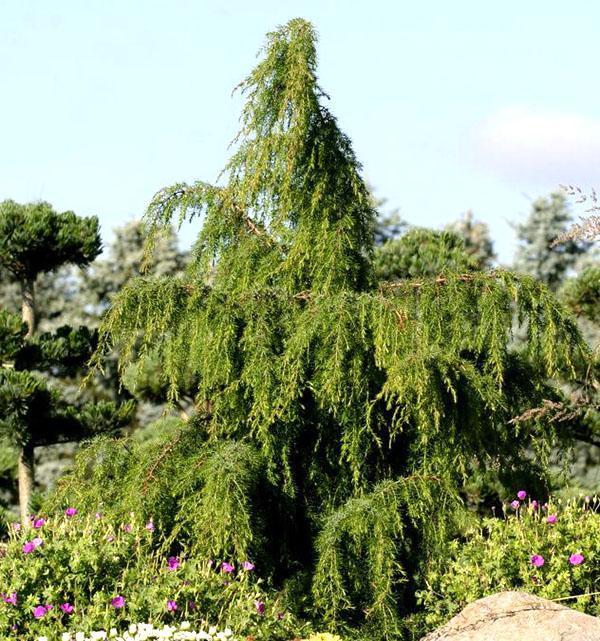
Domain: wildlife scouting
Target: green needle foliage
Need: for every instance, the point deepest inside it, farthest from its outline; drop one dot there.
(337, 417)
(423, 252)
(34, 240)
(33, 412)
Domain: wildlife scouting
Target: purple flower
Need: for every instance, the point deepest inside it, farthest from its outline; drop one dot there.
(227, 567)
(28, 547)
(40, 611)
(48, 607)
(118, 602)
(150, 526)
(67, 608)
(260, 607)
(551, 518)
(12, 599)
(534, 505)
(576, 559)
(171, 606)
(173, 562)
(127, 528)
(16, 527)
(248, 566)
(280, 615)
(70, 511)
(38, 523)
(98, 516)
(521, 495)
(537, 560)
(192, 606)
(515, 505)
(110, 538)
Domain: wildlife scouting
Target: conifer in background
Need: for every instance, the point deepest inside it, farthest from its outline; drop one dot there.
(339, 416)
(537, 254)
(476, 236)
(423, 252)
(34, 239)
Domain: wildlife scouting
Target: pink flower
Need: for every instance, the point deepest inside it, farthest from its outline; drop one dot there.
(534, 505)
(118, 602)
(150, 526)
(248, 566)
(12, 599)
(551, 518)
(38, 523)
(515, 505)
(98, 516)
(28, 547)
(576, 559)
(260, 607)
(173, 562)
(227, 567)
(127, 528)
(70, 511)
(521, 495)
(537, 560)
(40, 611)
(171, 606)
(16, 527)
(67, 608)
(110, 538)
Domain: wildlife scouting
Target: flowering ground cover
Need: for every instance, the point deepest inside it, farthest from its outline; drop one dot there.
(76, 574)
(548, 549)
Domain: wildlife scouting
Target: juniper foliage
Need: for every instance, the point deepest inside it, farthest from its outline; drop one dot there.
(337, 416)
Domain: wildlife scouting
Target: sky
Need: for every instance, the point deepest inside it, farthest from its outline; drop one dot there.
(451, 106)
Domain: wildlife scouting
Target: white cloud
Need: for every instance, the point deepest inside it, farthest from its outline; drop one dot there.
(527, 145)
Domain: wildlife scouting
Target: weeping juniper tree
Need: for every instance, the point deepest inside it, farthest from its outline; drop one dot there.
(337, 416)
(34, 240)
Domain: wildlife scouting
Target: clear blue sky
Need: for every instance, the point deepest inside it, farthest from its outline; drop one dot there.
(451, 105)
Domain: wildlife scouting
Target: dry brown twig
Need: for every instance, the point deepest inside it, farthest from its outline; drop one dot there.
(589, 228)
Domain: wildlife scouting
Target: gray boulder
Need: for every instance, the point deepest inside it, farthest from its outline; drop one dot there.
(517, 616)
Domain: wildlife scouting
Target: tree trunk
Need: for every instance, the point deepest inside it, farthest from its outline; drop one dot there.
(25, 480)
(26, 473)
(28, 305)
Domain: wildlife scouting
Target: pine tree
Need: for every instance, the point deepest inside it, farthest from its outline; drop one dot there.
(476, 236)
(34, 239)
(388, 224)
(538, 255)
(422, 252)
(339, 416)
(125, 259)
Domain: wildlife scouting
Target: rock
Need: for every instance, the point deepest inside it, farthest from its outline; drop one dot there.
(517, 616)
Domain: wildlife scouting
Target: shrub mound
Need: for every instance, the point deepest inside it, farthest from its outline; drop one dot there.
(550, 550)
